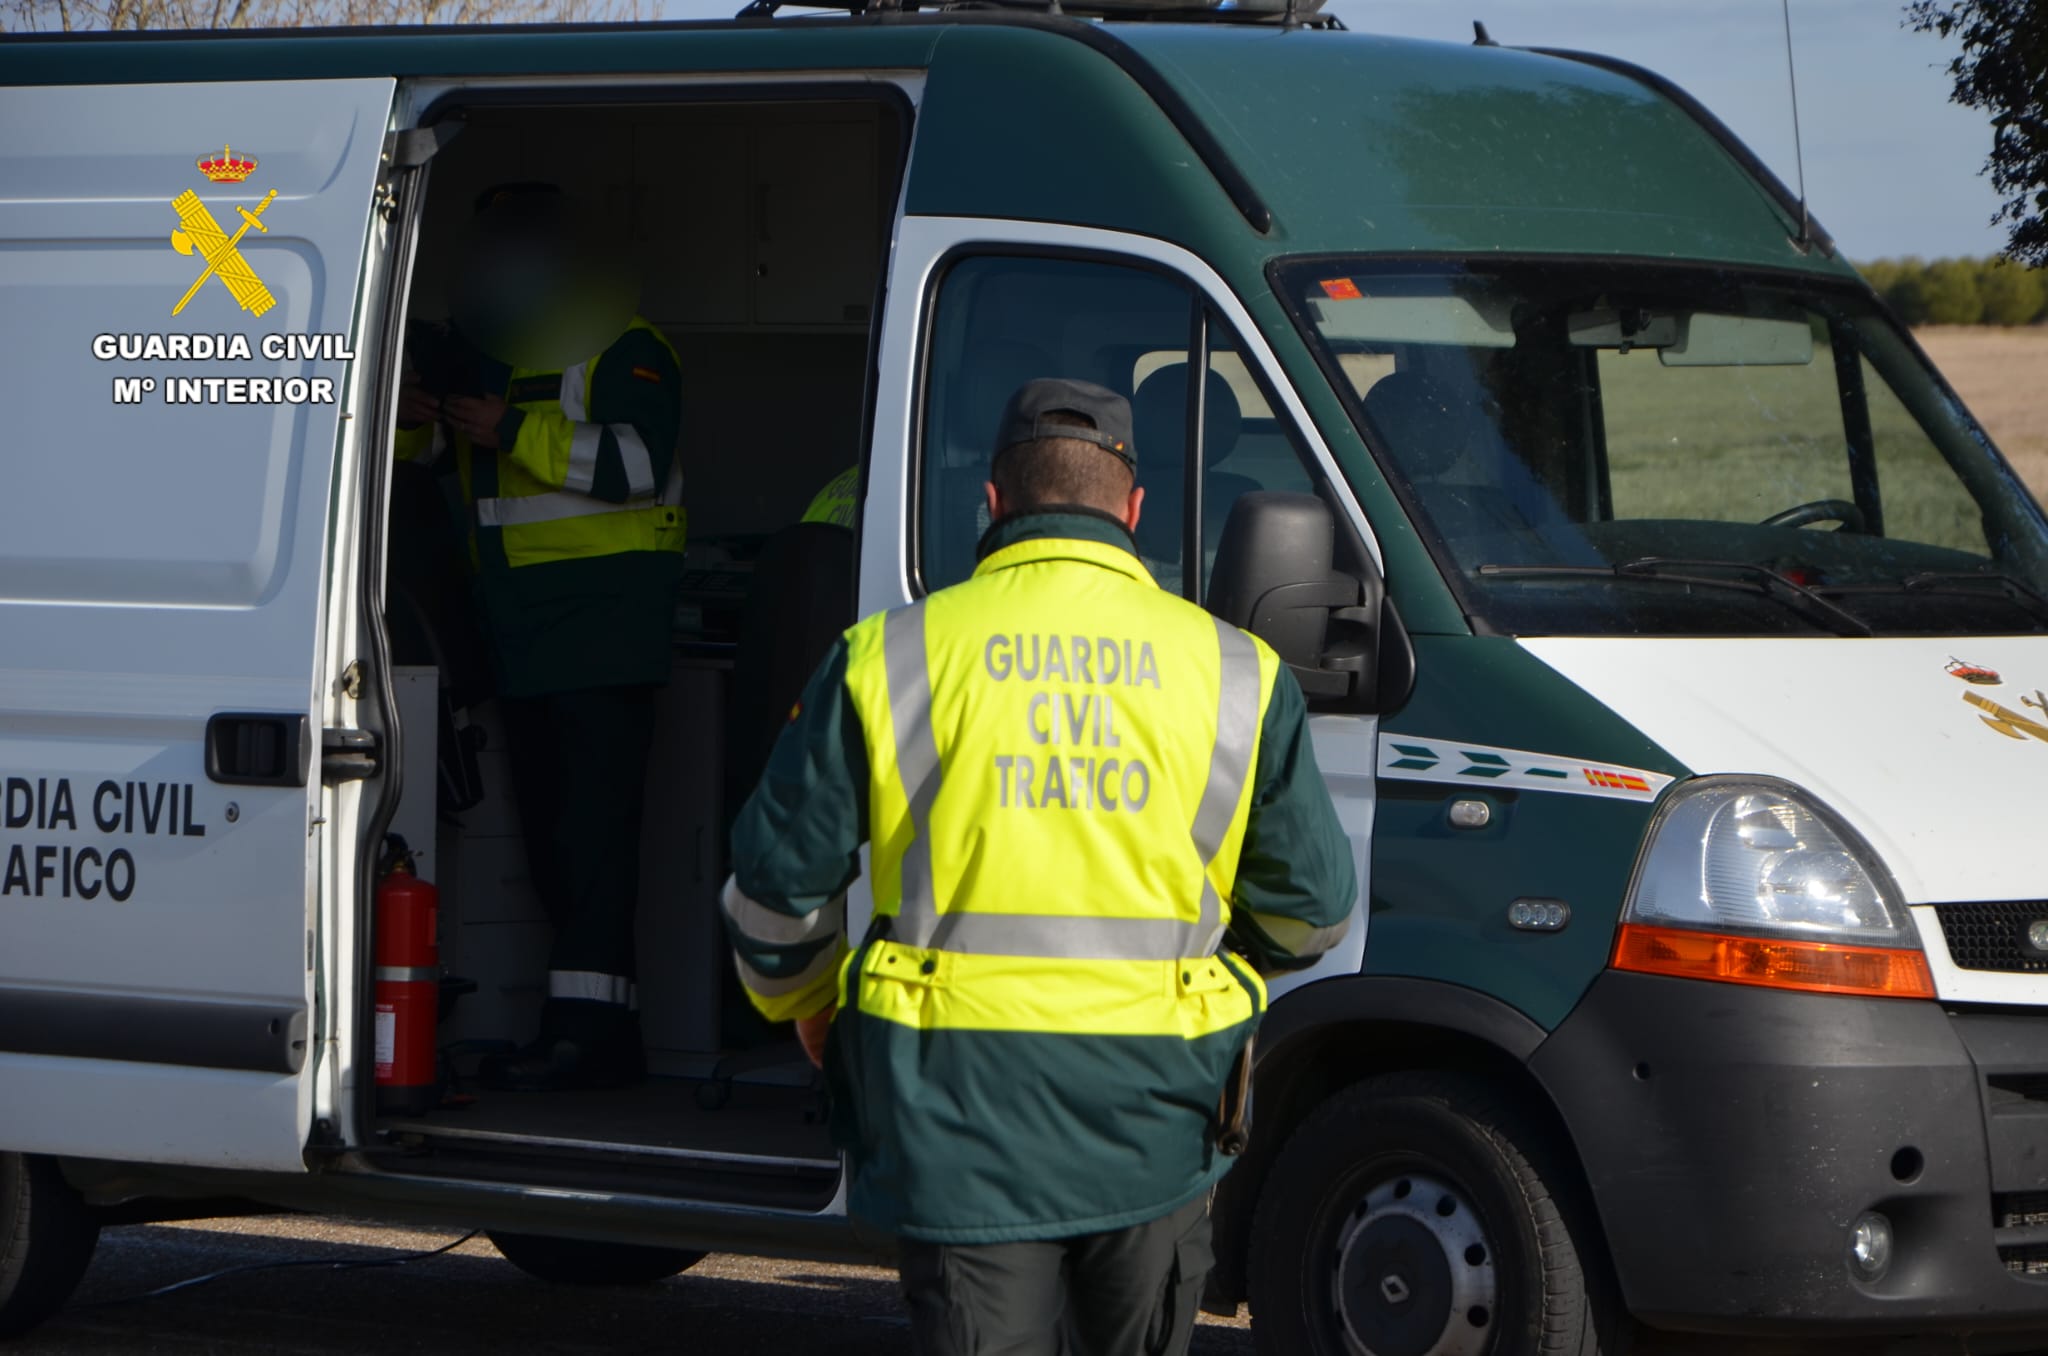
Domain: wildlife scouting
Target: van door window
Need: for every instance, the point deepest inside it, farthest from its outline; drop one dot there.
(1245, 445)
(1002, 321)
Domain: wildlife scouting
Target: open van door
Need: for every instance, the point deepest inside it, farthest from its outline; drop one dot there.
(166, 524)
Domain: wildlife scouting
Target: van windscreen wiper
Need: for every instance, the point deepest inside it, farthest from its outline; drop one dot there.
(2015, 591)
(1761, 580)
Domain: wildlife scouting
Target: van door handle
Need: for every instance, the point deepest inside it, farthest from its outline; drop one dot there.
(258, 748)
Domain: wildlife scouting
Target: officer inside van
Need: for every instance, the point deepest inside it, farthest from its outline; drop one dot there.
(557, 409)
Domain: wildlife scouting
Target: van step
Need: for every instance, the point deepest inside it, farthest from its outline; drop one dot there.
(440, 1131)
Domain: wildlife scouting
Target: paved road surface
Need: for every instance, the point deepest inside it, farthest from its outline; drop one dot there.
(470, 1302)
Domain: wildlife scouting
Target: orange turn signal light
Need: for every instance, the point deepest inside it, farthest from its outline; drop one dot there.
(1815, 967)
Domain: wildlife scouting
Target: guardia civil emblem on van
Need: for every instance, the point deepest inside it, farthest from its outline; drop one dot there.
(200, 234)
(2010, 723)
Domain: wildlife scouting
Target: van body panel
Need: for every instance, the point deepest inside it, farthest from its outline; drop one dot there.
(462, 50)
(1941, 776)
(1484, 714)
(163, 565)
(1363, 143)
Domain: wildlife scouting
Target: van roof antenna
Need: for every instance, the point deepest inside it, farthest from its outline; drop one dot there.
(1480, 37)
(1805, 236)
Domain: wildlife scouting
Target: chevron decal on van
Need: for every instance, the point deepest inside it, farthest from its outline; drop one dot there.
(1419, 758)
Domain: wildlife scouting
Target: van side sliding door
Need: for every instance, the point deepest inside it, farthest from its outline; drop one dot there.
(179, 267)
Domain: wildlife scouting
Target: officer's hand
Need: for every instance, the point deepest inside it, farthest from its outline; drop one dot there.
(416, 406)
(811, 1031)
(476, 416)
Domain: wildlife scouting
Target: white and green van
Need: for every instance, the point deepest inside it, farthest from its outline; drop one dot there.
(1678, 644)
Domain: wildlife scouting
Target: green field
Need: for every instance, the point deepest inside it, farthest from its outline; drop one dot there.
(1743, 443)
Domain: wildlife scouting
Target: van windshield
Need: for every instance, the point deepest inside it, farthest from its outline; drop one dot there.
(1601, 449)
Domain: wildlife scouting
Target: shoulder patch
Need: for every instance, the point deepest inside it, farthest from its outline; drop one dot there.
(647, 374)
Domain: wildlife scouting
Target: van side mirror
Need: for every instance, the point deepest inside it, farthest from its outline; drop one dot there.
(1337, 631)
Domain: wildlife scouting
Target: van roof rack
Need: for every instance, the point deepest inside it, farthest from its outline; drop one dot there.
(1286, 13)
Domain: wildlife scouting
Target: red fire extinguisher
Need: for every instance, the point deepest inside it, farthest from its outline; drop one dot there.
(408, 988)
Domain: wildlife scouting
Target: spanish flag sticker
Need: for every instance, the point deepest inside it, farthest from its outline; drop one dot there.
(795, 711)
(1341, 289)
(647, 374)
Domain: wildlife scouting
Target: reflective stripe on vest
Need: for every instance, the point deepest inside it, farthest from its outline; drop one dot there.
(546, 508)
(586, 441)
(633, 456)
(575, 382)
(592, 986)
(1060, 936)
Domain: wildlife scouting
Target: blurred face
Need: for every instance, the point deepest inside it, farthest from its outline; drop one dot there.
(542, 286)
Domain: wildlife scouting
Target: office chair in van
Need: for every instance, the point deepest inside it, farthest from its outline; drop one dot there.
(800, 600)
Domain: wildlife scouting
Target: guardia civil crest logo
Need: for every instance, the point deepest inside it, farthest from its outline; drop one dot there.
(198, 234)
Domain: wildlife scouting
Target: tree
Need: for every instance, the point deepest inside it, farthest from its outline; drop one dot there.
(1908, 292)
(2003, 71)
(69, 16)
(1883, 274)
(2012, 295)
(1952, 294)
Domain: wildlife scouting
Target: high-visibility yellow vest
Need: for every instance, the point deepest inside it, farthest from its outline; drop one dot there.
(1061, 760)
(835, 503)
(541, 522)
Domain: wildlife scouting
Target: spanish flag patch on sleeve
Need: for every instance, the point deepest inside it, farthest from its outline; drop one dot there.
(647, 374)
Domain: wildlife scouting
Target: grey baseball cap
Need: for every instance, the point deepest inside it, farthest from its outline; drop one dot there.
(1109, 414)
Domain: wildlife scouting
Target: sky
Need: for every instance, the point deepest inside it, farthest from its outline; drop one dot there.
(1892, 167)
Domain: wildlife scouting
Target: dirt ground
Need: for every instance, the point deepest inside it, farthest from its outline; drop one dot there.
(2002, 375)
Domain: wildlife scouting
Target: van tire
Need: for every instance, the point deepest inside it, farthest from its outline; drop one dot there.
(47, 1236)
(1494, 1261)
(579, 1261)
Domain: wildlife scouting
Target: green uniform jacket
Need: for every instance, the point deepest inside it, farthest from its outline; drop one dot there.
(982, 1136)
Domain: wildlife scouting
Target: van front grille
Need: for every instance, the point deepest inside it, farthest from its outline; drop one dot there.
(2020, 1220)
(1993, 936)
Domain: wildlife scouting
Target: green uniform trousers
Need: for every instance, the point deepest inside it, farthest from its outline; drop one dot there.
(579, 764)
(1126, 1292)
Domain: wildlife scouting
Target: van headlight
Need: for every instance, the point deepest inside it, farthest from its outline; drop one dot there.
(1749, 881)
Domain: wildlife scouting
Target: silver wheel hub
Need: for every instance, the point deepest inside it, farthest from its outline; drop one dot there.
(1414, 1272)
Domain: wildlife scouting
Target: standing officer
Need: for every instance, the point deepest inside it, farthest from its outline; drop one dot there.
(1076, 787)
(835, 503)
(564, 448)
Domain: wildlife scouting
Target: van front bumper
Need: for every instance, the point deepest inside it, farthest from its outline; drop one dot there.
(1733, 1135)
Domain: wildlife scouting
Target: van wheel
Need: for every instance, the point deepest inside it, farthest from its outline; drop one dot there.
(47, 1235)
(1418, 1215)
(578, 1261)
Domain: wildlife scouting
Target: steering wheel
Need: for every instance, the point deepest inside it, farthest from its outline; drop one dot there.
(1821, 511)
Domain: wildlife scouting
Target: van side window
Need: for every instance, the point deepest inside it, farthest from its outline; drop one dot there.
(1245, 445)
(1002, 321)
